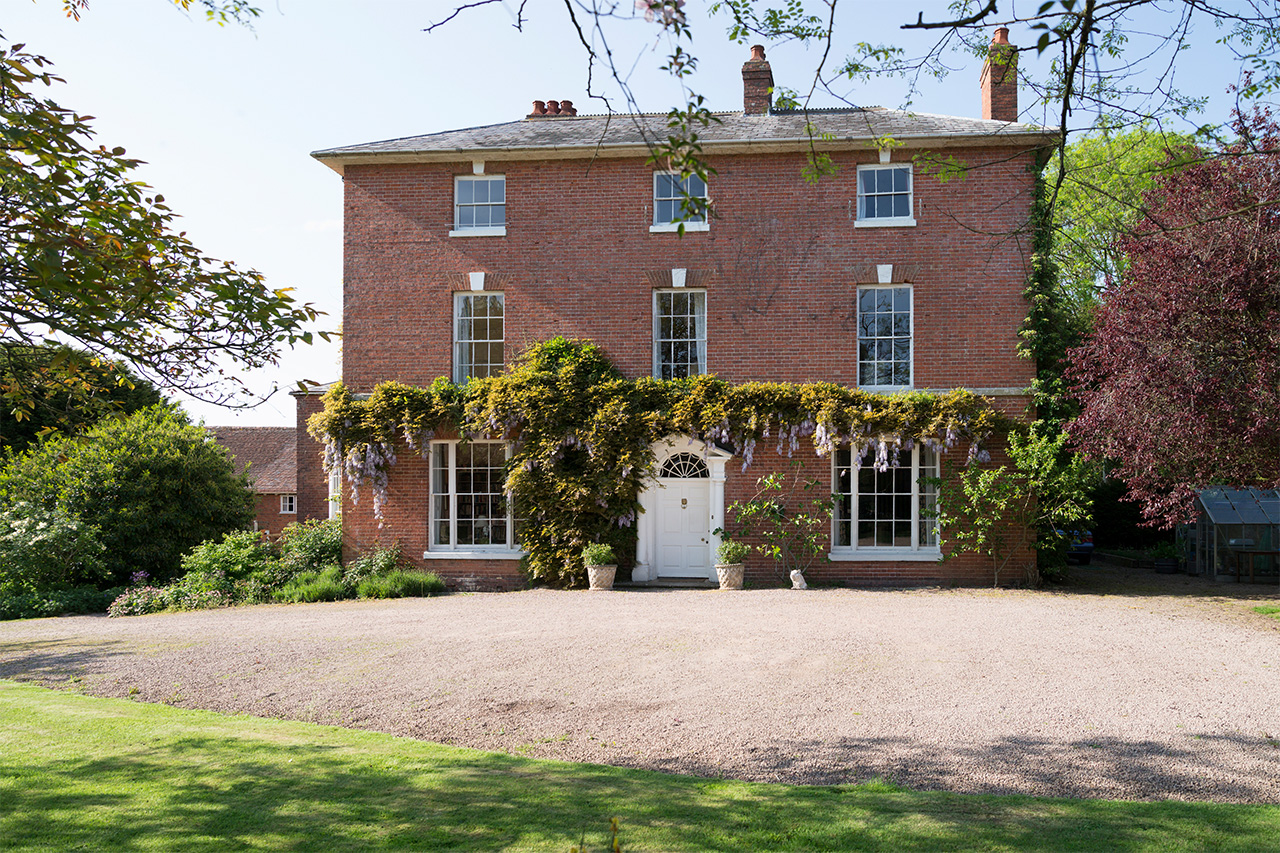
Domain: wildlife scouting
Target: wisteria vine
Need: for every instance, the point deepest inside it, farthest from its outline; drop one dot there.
(582, 435)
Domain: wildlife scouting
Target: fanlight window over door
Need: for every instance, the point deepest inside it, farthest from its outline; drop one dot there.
(684, 466)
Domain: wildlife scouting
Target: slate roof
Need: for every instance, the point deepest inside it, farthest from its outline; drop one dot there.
(270, 455)
(624, 134)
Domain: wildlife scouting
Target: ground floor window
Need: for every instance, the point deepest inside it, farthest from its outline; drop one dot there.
(288, 504)
(885, 513)
(469, 509)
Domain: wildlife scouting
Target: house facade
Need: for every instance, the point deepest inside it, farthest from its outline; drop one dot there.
(463, 247)
(268, 457)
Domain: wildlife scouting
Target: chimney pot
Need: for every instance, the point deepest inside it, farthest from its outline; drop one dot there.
(553, 108)
(539, 108)
(999, 79)
(757, 83)
(566, 108)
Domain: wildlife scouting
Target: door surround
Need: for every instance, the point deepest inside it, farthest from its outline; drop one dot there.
(647, 550)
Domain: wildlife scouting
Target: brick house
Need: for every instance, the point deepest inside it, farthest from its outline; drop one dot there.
(284, 465)
(268, 456)
(463, 247)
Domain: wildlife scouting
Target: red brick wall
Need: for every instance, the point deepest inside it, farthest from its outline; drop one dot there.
(269, 517)
(313, 482)
(780, 265)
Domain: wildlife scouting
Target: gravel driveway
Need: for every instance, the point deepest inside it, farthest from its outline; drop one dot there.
(1083, 694)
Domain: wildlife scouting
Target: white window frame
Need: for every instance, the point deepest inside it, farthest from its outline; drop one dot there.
(911, 340)
(658, 340)
(288, 504)
(335, 493)
(657, 227)
(887, 221)
(462, 371)
(460, 230)
(452, 550)
(853, 552)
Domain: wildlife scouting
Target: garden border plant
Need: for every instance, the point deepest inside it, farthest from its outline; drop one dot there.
(581, 436)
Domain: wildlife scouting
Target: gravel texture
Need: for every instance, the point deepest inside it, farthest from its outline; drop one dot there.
(1121, 687)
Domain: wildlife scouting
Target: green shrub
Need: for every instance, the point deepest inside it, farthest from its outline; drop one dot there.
(153, 484)
(311, 545)
(253, 591)
(327, 585)
(239, 555)
(84, 599)
(42, 550)
(401, 584)
(201, 590)
(381, 561)
(139, 601)
(599, 554)
(731, 552)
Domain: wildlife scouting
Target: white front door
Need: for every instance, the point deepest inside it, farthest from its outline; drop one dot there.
(684, 534)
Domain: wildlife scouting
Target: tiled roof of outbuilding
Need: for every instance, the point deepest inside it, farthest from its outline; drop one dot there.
(269, 455)
(783, 129)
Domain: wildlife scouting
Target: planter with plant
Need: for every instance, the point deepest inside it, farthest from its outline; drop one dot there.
(601, 564)
(729, 557)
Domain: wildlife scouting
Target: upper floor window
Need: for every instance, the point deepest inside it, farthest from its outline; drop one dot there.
(884, 337)
(469, 506)
(679, 333)
(885, 196)
(675, 202)
(885, 514)
(479, 205)
(477, 335)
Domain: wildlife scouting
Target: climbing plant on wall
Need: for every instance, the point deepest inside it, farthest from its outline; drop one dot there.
(581, 435)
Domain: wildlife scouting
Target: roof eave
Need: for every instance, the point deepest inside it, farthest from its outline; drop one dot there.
(338, 158)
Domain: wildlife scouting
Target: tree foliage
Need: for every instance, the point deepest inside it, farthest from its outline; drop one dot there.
(792, 536)
(1006, 511)
(1179, 382)
(92, 257)
(218, 11)
(57, 389)
(1104, 176)
(153, 484)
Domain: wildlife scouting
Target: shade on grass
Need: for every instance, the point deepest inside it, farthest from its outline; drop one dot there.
(84, 773)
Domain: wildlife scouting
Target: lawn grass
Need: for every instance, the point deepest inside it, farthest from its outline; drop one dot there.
(1268, 610)
(82, 773)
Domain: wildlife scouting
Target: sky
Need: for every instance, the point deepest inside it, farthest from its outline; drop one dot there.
(226, 117)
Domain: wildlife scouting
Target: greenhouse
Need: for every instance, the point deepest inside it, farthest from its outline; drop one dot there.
(1236, 537)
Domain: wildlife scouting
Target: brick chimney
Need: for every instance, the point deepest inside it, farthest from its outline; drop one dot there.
(999, 80)
(757, 83)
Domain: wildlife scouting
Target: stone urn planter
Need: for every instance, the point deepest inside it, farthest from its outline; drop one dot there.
(601, 577)
(601, 565)
(729, 567)
(730, 575)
